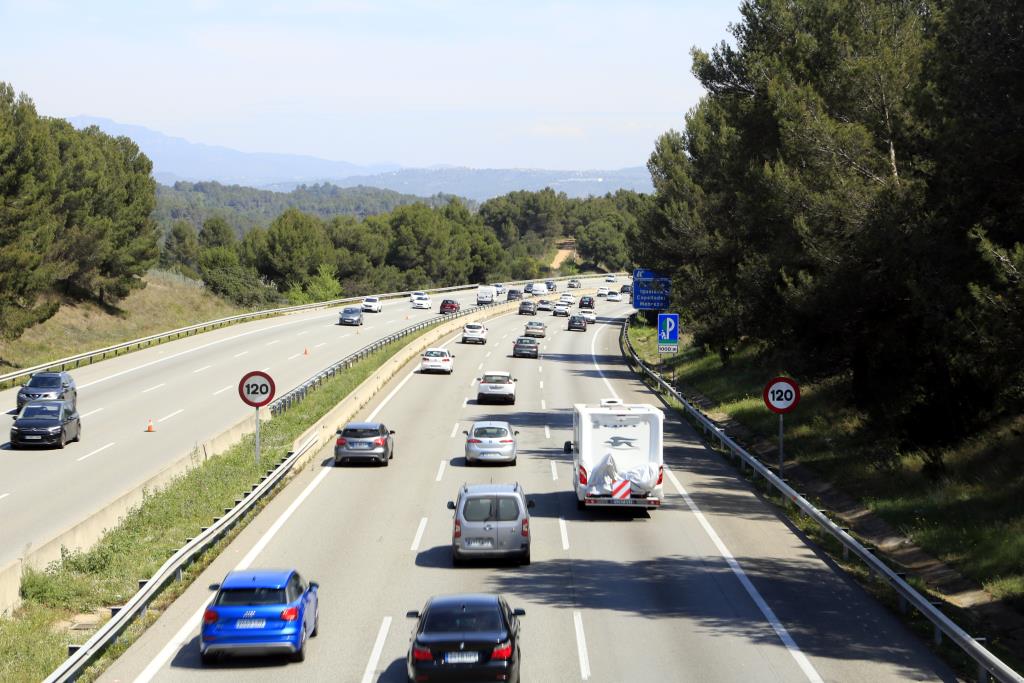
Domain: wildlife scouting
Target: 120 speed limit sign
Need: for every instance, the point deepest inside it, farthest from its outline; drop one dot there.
(256, 388)
(781, 395)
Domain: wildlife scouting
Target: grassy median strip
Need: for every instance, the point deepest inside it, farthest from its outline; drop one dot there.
(34, 642)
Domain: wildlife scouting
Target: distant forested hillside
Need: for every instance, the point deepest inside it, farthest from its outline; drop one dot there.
(245, 208)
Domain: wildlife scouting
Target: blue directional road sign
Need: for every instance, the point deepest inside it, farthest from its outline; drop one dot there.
(668, 333)
(650, 290)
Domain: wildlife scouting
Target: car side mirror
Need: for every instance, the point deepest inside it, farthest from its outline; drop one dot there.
(530, 503)
(465, 432)
(313, 585)
(567, 447)
(392, 431)
(215, 586)
(477, 379)
(519, 612)
(515, 432)
(451, 505)
(412, 614)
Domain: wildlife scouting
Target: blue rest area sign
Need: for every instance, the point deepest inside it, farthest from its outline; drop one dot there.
(668, 333)
(650, 290)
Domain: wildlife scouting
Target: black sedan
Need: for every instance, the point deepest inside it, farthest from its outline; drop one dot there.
(469, 637)
(46, 423)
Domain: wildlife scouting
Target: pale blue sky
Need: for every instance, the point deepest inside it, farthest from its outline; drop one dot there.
(586, 84)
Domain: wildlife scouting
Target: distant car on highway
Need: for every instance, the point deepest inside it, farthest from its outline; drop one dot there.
(365, 441)
(577, 322)
(260, 611)
(498, 287)
(491, 520)
(421, 302)
(609, 278)
(48, 386)
(474, 332)
(587, 302)
(526, 347)
(561, 309)
(626, 289)
(602, 291)
(495, 386)
(46, 423)
(514, 295)
(437, 360)
(450, 306)
(351, 315)
(545, 305)
(588, 315)
(614, 296)
(372, 304)
(551, 285)
(535, 328)
(465, 637)
(527, 308)
(567, 298)
(418, 293)
(575, 284)
(490, 441)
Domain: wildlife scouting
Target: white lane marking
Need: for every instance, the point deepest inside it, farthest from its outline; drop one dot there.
(581, 645)
(222, 390)
(440, 471)
(455, 428)
(540, 368)
(390, 396)
(554, 472)
(419, 533)
(388, 322)
(542, 384)
(266, 369)
(205, 367)
(239, 355)
(4, 495)
(101, 448)
(302, 333)
(769, 615)
(563, 531)
(480, 367)
(593, 358)
(91, 412)
(271, 343)
(168, 417)
(378, 647)
(465, 402)
(547, 434)
(162, 384)
(294, 356)
(471, 380)
(543, 405)
(280, 521)
(320, 344)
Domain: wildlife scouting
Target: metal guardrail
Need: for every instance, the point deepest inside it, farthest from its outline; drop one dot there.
(100, 354)
(172, 569)
(943, 625)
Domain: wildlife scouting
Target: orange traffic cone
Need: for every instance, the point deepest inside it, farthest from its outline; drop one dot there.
(305, 351)
(149, 427)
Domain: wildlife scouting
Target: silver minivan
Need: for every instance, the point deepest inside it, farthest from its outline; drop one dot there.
(491, 520)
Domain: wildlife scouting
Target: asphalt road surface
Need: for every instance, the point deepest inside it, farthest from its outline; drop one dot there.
(188, 388)
(714, 586)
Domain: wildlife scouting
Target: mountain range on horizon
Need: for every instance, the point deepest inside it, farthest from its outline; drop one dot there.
(176, 159)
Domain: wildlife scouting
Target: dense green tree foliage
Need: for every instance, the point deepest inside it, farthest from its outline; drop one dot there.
(848, 195)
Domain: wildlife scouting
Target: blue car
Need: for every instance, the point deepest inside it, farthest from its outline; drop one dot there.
(260, 611)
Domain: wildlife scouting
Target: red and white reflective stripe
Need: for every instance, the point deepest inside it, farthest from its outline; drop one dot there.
(620, 489)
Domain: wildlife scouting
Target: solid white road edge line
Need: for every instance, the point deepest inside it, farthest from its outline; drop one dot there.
(554, 472)
(455, 428)
(378, 648)
(581, 645)
(563, 531)
(162, 384)
(239, 355)
(419, 534)
(769, 615)
(593, 358)
(91, 412)
(168, 417)
(101, 448)
(547, 434)
(390, 396)
(440, 470)
(222, 390)
(543, 405)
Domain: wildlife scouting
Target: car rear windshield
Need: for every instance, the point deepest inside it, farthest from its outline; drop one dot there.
(473, 327)
(361, 433)
(496, 379)
(526, 341)
(251, 596)
(449, 301)
(46, 381)
(490, 432)
(352, 310)
(435, 354)
(40, 411)
(370, 299)
(463, 618)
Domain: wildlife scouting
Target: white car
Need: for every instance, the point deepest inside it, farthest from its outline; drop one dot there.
(437, 360)
(567, 299)
(602, 291)
(499, 288)
(545, 305)
(609, 278)
(372, 304)
(561, 308)
(422, 302)
(413, 295)
(614, 296)
(588, 315)
(474, 332)
(496, 385)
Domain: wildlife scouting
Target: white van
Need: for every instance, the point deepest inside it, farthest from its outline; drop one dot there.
(486, 294)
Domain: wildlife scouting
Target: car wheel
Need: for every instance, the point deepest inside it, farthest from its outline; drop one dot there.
(78, 434)
(300, 654)
(525, 559)
(580, 505)
(456, 559)
(208, 658)
(514, 461)
(63, 439)
(385, 461)
(513, 401)
(316, 624)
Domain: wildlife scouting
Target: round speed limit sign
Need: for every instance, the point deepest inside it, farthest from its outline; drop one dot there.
(781, 395)
(256, 388)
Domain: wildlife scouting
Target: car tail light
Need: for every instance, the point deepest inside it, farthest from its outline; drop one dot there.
(210, 616)
(445, 360)
(502, 650)
(507, 441)
(661, 474)
(583, 475)
(341, 441)
(379, 441)
(421, 654)
(457, 532)
(290, 614)
(473, 441)
(525, 531)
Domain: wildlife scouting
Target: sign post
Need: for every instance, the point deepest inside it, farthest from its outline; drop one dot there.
(257, 390)
(781, 395)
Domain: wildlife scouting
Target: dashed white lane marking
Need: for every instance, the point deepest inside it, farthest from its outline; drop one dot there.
(222, 390)
(488, 355)
(581, 644)
(455, 428)
(471, 380)
(547, 434)
(563, 531)
(543, 405)
(239, 355)
(91, 412)
(89, 455)
(4, 495)
(540, 368)
(440, 470)
(388, 322)
(419, 533)
(769, 615)
(294, 356)
(554, 472)
(378, 647)
(266, 369)
(302, 333)
(205, 367)
(168, 417)
(320, 344)
(480, 367)
(271, 343)
(542, 384)
(162, 384)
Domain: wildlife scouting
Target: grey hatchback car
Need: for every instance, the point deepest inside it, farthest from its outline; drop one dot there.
(49, 386)
(368, 441)
(490, 441)
(491, 520)
(353, 315)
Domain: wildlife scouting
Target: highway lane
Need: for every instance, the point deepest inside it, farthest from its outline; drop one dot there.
(187, 388)
(609, 596)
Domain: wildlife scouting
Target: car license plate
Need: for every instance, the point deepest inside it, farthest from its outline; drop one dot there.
(33, 437)
(250, 623)
(461, 657)
(479, 543)
(360, 444)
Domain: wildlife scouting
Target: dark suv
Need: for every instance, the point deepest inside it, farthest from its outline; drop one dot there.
(49, 386)
(626, 289)
(577, 322)
(514, 295)
(527, 308)
(587, 302)
(552, 285)
(449, 306)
